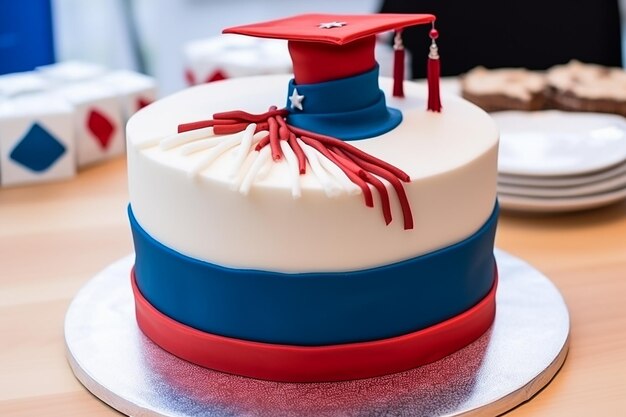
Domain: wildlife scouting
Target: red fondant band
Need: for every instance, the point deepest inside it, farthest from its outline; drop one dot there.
(315, 363)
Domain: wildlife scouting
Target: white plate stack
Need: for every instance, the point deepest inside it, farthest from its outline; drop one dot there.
(554, 161)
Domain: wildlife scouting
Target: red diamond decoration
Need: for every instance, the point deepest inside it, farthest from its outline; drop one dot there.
(216, 76)
(190, 78)
(101, 128)
(142, 102)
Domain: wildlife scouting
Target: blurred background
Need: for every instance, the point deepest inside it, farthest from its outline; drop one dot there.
(141, 35)
(558, 167)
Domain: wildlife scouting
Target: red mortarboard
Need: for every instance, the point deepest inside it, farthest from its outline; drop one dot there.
(310, 27)
(325, 47)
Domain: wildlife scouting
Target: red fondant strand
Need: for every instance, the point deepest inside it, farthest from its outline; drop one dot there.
(367, 193)
(330, 141)
(262, 143)
(361, 168)
(384, 196)
(347, 162)
(274, 139)
(376, 183)
(395, 183)
(297, 149)
(229, 129)
(265, 138)
(243, 116)
(261, 127)
(186, 127)
(283, 130)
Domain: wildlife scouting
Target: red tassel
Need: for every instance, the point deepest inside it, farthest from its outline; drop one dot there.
(434, 73)
(434, 99)
(398, 66)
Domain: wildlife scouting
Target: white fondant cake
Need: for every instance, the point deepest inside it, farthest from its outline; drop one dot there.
(451, 158)
(346, 235)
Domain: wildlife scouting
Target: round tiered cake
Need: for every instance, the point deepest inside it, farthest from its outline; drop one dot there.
(255, 252)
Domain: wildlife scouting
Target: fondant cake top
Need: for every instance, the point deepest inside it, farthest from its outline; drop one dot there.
(425, 144)
(450, 158)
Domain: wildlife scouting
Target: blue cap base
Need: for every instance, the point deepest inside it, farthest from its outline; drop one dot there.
(348, 109)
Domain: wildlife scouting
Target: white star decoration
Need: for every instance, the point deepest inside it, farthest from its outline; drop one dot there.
(296, 100)
(330, 25)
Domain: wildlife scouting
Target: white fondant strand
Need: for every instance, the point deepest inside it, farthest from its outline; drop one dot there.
(239, 176)
(262, 157)
(338, 175)
(243, 150)
(294, 173)
(331, 188)
(179, 139)
(149, 143)
(212, 155)
(201, 145)
(330, 176)
(265, 169)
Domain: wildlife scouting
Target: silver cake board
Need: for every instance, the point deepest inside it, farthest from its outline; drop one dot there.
(518, 356)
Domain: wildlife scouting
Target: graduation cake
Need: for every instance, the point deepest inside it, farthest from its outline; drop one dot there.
(324, 226)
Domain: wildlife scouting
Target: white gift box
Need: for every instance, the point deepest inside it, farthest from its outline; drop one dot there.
(69, 72)
(12, 85)
(134, 90)
(36, 139)
(231, 56)
(98, 122)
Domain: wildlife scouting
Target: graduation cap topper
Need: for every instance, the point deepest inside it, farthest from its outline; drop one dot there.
(326, 47)
(333, 98)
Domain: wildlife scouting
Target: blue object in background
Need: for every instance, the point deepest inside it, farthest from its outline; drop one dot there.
(38, 150)
(26, 39)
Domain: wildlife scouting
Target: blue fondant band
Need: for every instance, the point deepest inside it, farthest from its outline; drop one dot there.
(313, 309)
(349, 108)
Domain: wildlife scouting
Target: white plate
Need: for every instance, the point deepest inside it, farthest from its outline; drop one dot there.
(572, 181)
(553, 143)
(575, 191)
(555, 205)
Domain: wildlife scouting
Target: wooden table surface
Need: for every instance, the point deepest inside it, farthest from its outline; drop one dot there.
(55, 237)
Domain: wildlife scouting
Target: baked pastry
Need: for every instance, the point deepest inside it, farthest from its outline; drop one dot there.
(335, 238)
(578, 86)
(504, 89)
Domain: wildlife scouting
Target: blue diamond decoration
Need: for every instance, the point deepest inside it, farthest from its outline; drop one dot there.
(37, 150)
